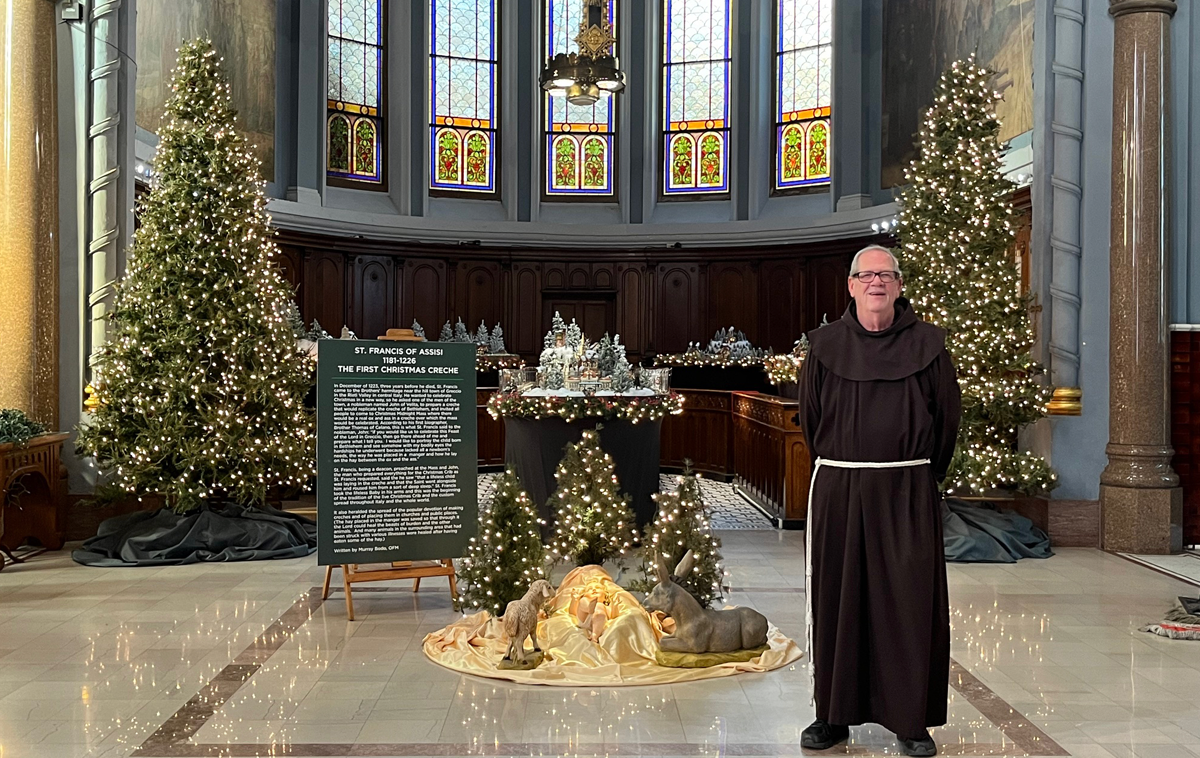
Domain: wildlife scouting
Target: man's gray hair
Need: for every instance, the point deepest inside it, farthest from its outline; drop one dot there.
(869, 248)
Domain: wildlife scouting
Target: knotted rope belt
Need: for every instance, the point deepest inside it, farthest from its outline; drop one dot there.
(808, 531)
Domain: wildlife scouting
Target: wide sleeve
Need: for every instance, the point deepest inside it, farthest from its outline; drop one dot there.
(946, 405)
(809, 395)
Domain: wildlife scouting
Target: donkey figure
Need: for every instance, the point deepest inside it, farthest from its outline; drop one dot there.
(697, 629)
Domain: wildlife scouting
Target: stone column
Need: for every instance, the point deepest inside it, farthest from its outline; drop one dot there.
(29, 209)
(1141, 501)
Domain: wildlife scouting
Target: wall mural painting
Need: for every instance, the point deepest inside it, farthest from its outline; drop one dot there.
(243, 32)
(923, 37)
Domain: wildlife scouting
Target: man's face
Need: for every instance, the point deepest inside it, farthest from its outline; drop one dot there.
(875, 296)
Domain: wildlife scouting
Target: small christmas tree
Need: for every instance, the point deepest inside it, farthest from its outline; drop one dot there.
(496, 342)
(507, 554)
(682, 524)
(417, 330)
(622, 377)
(594, 522)
(460, 332)
(606, 356)
(201, 386)
(556, 326)
(481, 335)
(295, 320)
(957, 235)
(574, 336)
(447, 334)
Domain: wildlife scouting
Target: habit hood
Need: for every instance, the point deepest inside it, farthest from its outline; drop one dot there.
(852, 352)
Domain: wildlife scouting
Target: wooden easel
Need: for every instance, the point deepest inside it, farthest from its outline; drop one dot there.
(415, 570)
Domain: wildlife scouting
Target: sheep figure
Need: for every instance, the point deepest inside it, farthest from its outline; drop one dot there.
(521, 617)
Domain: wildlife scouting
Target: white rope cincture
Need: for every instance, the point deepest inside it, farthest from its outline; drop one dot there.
(808, 530)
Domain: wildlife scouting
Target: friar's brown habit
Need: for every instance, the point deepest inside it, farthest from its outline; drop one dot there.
(881, 628)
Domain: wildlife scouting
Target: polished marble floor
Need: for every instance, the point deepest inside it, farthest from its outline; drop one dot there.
(246, 660)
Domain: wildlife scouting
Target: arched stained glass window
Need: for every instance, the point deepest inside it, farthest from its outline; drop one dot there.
(580, 149)
(462, 87)
(804, 60)
(354, 126)
(696, 68)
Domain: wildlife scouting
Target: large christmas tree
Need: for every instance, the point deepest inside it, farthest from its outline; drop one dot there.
(594, 523)
(201, 385)
(957, 234)
(682, 524)
(507, 554)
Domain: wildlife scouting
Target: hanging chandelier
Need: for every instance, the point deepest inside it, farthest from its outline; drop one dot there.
(585, 76)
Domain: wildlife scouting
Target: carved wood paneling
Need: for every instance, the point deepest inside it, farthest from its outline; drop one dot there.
(478, 293)
(781, 305)
(733, 298)
(373, 296)
(770, 457)
(490, 431)
(631, 306)
(703, 433)
(827, 292)
(524, 332)
(680, 318)
(425, 295)
(323, 296)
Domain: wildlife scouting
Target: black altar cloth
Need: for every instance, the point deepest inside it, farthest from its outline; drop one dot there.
(746, 378)
(534, 448)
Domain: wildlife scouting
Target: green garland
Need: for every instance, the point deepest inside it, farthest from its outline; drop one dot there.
(687, 360)
(628, 408)
(782, 368)
(17, 428)
(497, 361)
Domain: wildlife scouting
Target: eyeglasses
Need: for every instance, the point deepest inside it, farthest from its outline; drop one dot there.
(886, 277)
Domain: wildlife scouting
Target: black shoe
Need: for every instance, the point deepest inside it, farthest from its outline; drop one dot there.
(821, 735)
(921, 746)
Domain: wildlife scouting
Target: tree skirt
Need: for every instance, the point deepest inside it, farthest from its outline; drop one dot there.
(982, 533)
(623, 656)
(1178, 625)
(223, 532)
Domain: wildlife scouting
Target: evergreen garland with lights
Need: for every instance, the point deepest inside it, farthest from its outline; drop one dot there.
(957, 233)
(200, 387)
(507, 554)
(594, 521)
(683, 523)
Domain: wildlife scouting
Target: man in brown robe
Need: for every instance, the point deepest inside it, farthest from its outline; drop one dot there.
(880, 408)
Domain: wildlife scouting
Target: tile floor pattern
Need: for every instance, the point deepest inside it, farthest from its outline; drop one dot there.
(1185, 566)
(729, 509)
(243, 659)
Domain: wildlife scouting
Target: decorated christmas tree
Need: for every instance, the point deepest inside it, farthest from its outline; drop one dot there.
(507, 554)
(606, 356)
(200, 388)
(594, 522)
(683, 524)
(957, 233)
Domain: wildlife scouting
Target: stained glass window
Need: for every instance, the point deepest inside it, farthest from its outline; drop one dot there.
(579, 138)
(356, 72)
(462, 89)
(696, 62)
(804, 60)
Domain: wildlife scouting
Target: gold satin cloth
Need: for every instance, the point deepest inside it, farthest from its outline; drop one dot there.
(623, 656)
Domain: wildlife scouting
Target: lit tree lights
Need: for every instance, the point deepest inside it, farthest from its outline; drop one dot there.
(200, 389)
(957, 232)
(507, 554)
(594, 522)
(682, 524)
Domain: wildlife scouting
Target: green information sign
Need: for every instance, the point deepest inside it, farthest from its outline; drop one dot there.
(396, 451)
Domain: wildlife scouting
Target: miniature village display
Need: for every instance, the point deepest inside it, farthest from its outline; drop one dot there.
(576, 378)
(728, 348)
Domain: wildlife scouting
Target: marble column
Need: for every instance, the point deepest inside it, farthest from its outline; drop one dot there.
(1141, 501)
(28, 209)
